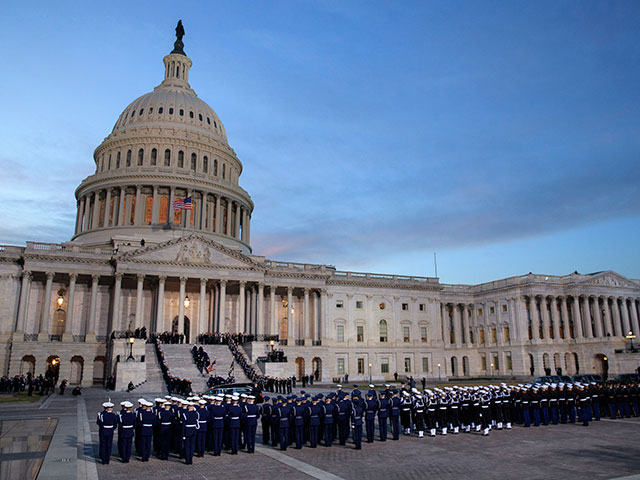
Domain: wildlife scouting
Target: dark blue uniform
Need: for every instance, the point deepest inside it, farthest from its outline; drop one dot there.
(235, 412)
(284, 416)
(356, 420)
(344, 411)
(383, 415)
(265, 418)
(165, 424)
(315, 418)
(190, 427)
(299, 412)
(126, 424)
(107, 422)
(328, 421)
(145, 422)
(395, 417)
(371, 408)
(218, 414)
(275, 424)
(251, 416)
(201, 435)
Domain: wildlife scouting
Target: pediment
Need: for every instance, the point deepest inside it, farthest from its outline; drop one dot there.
(192, 250)
(609, 279)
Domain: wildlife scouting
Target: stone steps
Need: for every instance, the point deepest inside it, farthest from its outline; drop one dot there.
(155, 382)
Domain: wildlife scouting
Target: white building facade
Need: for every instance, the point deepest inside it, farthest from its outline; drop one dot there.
(133, 260)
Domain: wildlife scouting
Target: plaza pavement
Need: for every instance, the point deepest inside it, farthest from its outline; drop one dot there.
(606, 449)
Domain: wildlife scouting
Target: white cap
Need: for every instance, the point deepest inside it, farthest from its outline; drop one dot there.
(107, 404)
(202, 402)
(127, 404)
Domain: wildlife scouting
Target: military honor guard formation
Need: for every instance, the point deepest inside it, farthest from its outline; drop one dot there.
(216, 424)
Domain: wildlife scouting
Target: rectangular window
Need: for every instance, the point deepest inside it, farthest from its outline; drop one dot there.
(340, 333)
(360, 333)
(479, 312)
(339, 304)
(507, 334)
(504, 307)
(341, 366)
(407, 365)
(483, 363)
(359, 304)
(496, 365)
(423, 334)
(482, 336)
(405, 306)
(148, 210)
(422, 307)
(492, 310)
(384, 365)
(405, 334)
(508, 362)
(360, 366)
(425, 365)
(494, 335)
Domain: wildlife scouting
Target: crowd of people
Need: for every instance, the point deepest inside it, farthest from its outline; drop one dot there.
(210, 338)
(282, 385)
(229, 422)
(276, 356)
(173, 338)
(40, 385)
(175, 384)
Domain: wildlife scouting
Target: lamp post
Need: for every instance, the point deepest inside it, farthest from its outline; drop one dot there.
(370, 372)
(130, 357)
(630, 336)
(187, 302)
(492, 370)
(439, 377)
(271, 344)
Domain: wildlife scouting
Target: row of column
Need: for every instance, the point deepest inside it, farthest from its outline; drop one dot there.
(45, 320)
(549, 317)
(582, 316)
(217, 213)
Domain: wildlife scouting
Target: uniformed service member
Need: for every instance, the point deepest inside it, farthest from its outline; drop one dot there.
(107, 422)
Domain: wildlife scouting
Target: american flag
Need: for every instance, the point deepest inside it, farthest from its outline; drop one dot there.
(212, 366)
(183, 203)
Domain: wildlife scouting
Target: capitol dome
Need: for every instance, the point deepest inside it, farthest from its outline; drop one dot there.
(168, 150)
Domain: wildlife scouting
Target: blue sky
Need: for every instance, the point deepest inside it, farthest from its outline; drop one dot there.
(505, 136)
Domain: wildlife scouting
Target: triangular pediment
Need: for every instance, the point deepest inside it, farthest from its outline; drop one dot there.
(191, 250)
(609, 279)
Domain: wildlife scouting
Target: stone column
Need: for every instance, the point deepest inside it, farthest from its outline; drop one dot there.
(138, 218)
(127, 207)
(608, 317)
(188, 213)
(91, 321)
(160, 326)
(117, 205)
(45, 319)
(116, 322)
(218, 226)
(565, 317)
(210, 226)
(456, 323)
(107, 209)
(624, 309)
(545, 316)
(223, 299)
(202, 317)
(139, 320)
(305, 319)
(577, 317)
(80, 214)
(465, 324)
(260, 314)
(170, 212)
(252, 309)
(155, 209)
(617, 321)
(240, 321)
(87, 212)
(183, 285)
(588, 328)
(236, 234)
(597, 317)
(535, 319)
(556, 318)
(322, 318)
(290, 333)
(229, 214)
(23, 306)
(634, 316)
(247, 229)
(68, 323)
(95, 217)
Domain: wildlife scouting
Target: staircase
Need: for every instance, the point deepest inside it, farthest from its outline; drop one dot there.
(154, 382)
(180, 363)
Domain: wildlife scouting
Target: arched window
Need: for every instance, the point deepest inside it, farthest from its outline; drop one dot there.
(160, 110)
(224, 168)
(205, 164)
(181, 159)
(154, 156)
(109, 166)
(194, 160)
(384, 332)
(140, 156)
(118, 160)
(128, 158)
(167, 158)
(190, 114)
(170, 110)
(181, 112)
(215, 167)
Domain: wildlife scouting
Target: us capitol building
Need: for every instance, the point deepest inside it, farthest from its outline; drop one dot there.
(134, 261)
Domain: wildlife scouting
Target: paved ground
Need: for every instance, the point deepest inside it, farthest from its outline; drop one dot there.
(606, 449)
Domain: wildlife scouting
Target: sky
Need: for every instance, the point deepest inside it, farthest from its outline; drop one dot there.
(503, 136)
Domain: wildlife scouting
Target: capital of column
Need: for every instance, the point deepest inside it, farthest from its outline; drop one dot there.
(203, 282)
(118, 276)
(307, 290)
(73, 277)
(183, 280)
(260, 284)
(50, 275)
(140, 276)
(289, 290)
(223, 282)
(162, 278)
(27, 274)
(95, 278)
(243, 283)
